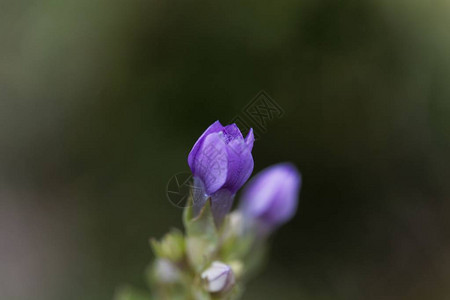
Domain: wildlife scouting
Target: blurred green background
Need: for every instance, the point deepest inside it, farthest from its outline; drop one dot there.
(101, 101)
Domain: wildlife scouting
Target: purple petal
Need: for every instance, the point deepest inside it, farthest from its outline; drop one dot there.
(221, 203)
(219, 277)
(211, 163)
(215, 127)
(240, 165)
(272, 195)
(284, 208)
(232, 132)
(250, 139)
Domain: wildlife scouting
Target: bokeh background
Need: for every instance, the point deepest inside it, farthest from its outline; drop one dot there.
(101, 101)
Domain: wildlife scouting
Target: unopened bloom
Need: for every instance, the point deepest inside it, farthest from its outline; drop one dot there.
(166, 271)
(221, 162)
(218, 277)
(271, 198)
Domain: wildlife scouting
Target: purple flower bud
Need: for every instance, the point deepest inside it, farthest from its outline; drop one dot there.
(218, 277)
(221, 162)
(270, 199)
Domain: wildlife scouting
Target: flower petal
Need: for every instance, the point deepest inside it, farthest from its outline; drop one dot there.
(286, 206)
(232, 132)
(250, 139)
(215, 127)
(240, 165)
(272, 196)
(218, 277)
(211, 163)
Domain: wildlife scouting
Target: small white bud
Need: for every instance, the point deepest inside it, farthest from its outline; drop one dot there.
(218, 277)
(166, 271)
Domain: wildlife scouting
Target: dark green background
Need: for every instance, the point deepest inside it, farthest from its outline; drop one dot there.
(101, 101)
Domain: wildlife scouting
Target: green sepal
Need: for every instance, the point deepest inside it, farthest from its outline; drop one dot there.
(202, 238)
(188, 211)
(203, 224)
(172, 246)
(236, 243)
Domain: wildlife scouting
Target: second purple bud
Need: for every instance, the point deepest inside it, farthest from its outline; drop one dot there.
(270, 199)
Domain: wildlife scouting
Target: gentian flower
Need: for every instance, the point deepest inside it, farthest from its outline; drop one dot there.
(270, 199)
(218, 277)
(221, 162)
